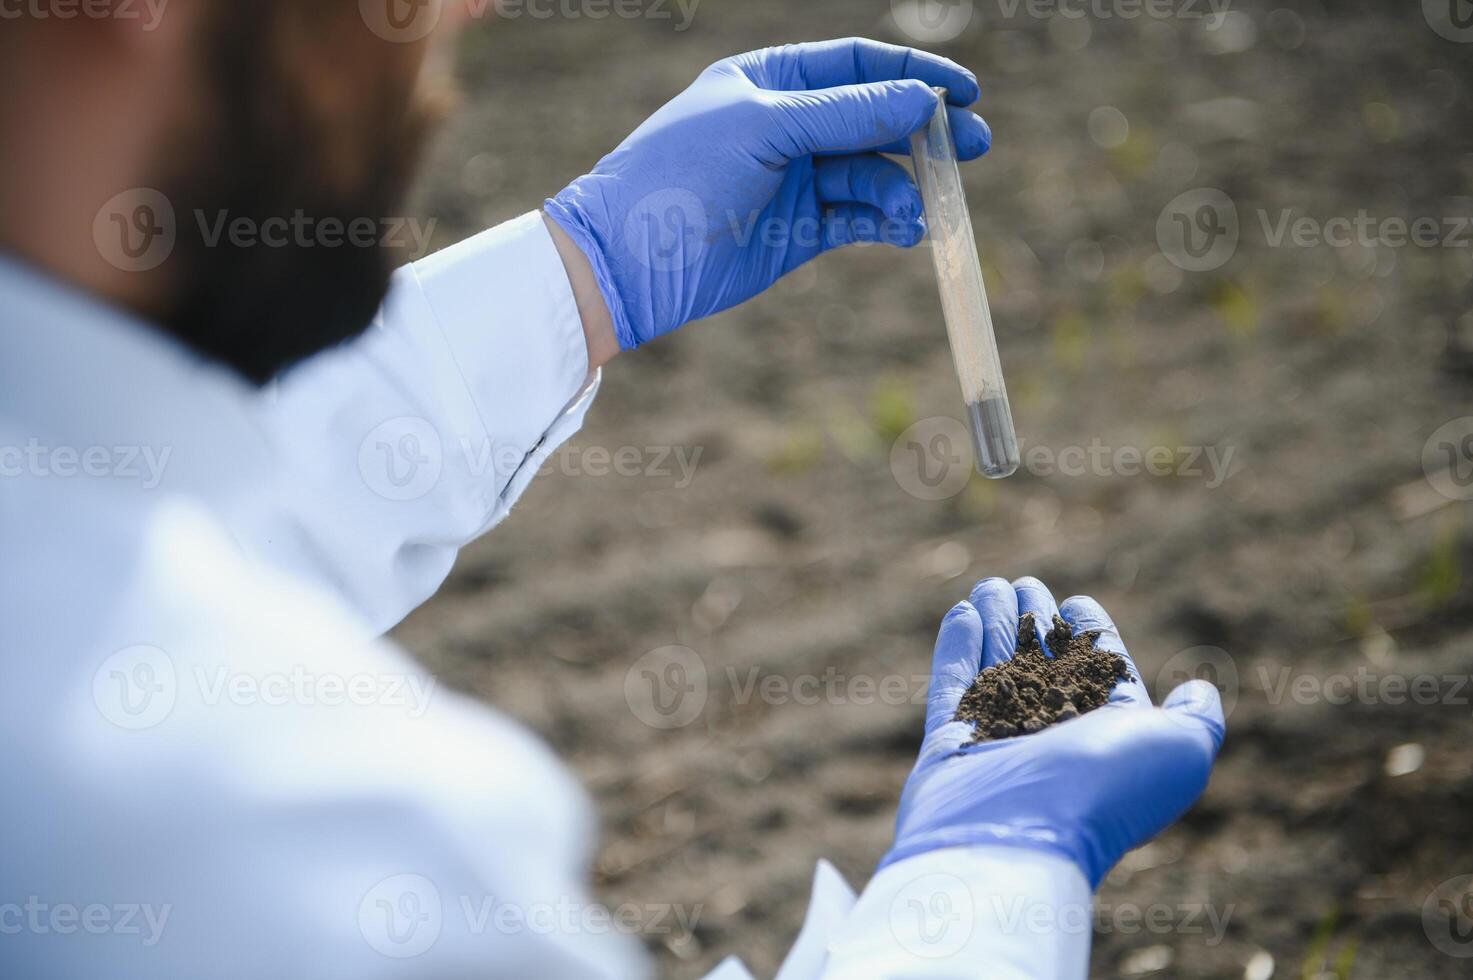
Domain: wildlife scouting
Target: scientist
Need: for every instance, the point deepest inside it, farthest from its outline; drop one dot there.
(216, 765)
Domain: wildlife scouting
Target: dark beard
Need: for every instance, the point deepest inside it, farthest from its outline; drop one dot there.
(262, 153)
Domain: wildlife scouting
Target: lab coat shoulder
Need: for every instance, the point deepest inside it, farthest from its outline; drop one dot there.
(279, 792)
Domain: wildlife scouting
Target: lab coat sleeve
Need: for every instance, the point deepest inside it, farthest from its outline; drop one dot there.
(408, 443)
(988, 912)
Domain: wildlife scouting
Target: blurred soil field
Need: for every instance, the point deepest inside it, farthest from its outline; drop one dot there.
(799, 562)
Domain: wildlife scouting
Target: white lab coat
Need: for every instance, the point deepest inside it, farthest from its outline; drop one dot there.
(215, 764)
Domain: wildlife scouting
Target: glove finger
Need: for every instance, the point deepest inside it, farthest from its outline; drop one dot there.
(851, 119)
(856, 61)
(868, 179)
(1084, 615)
(1198, 706)
(1034, 597)
(944, 742)
(997, 603)
(848, 224)
(955, 663)
(969, 131)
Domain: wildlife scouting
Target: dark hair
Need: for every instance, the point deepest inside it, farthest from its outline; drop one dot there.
(267, 151)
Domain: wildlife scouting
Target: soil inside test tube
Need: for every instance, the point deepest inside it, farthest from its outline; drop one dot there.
(1032, 691)
(993, 437)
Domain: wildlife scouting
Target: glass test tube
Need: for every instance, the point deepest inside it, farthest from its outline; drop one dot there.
(964, 297)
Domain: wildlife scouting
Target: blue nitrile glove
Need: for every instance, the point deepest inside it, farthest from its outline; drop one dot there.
(1088, 789)
(768, 160)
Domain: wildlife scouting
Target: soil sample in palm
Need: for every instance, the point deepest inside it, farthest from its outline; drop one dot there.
(1032, 691)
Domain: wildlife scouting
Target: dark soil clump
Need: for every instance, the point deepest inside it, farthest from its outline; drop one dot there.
(1032, 691)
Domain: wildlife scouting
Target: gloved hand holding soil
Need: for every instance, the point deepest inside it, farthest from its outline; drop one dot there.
(1043, 684)
(1087, 791)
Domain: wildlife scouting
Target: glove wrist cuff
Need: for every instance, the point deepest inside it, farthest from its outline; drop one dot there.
(1028, 838)
(572, 222)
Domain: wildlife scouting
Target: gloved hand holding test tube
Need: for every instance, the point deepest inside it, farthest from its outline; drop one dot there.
(964, 297)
